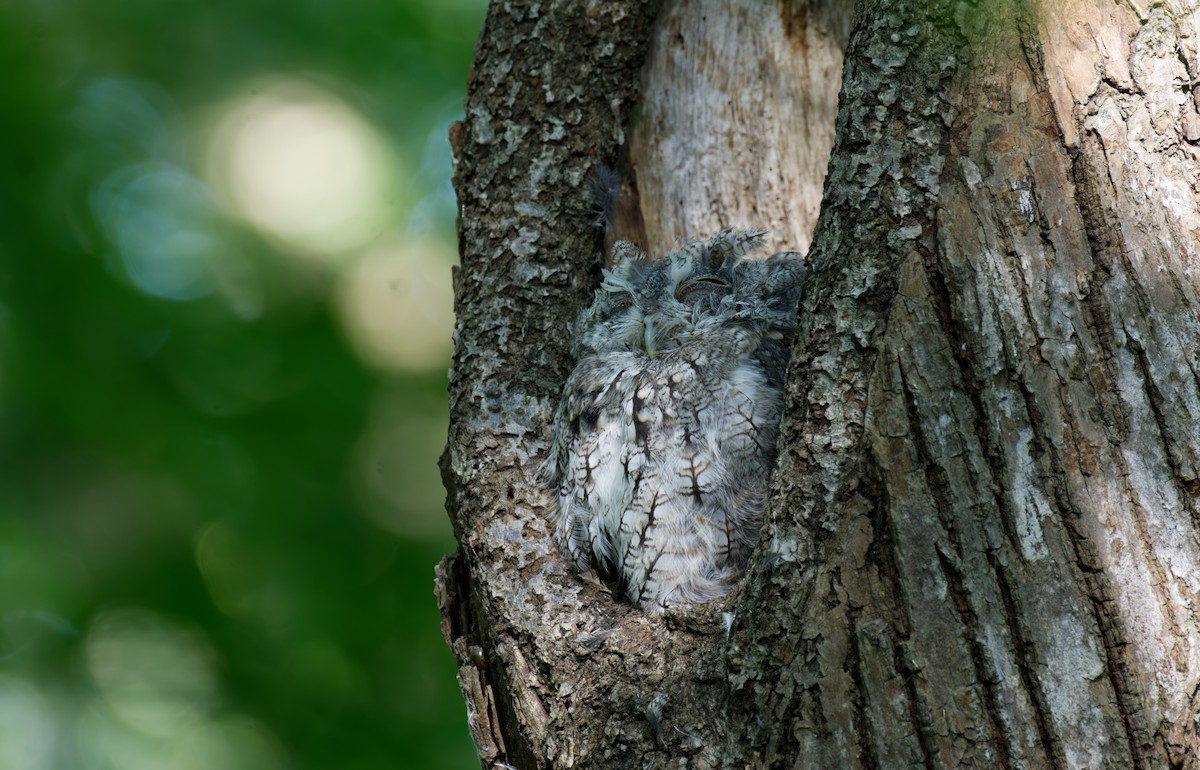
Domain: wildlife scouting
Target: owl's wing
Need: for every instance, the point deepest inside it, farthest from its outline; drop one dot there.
(595, 432)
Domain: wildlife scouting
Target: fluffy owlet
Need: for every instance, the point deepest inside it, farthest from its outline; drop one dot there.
(665, 437)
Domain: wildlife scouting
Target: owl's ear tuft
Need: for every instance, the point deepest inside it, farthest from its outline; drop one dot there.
(718, 255)
(727, 246)
(624, 256)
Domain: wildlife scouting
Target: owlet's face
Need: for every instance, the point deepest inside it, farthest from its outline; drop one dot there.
(651, 307)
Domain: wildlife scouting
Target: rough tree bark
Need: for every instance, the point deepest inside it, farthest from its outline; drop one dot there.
(982, 547)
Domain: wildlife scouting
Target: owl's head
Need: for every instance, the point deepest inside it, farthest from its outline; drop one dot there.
(653, 306)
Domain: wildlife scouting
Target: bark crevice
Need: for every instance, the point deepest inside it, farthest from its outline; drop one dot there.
(1024, 649)
(866, 746)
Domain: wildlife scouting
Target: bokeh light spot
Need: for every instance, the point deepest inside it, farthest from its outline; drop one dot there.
(397, 304)
(162, 224)
(227, 567)
(106, 741)
(155, 676)
(230, 744)
(303, 167)
(27, 727)
(401, 441)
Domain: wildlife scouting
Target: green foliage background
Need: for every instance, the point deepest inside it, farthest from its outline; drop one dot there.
(190, 572)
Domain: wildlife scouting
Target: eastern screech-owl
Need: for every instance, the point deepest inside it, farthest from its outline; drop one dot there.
(665, 437)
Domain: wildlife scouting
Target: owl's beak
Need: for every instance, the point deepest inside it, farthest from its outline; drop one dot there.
(648, 338)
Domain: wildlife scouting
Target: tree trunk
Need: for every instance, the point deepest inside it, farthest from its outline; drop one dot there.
(981, 549)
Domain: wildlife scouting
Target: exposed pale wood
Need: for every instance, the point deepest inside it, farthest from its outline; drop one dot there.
(736, 119)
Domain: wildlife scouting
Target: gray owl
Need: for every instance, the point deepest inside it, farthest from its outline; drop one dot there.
(665, 437)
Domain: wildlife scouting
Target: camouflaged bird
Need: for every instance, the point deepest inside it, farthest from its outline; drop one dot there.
(665, 438)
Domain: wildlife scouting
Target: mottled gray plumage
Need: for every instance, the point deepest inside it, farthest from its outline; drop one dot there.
(665, 436)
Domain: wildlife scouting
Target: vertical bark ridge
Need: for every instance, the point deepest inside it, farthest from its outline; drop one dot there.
(1103, 244)
(1128, 115)
(866, 758)
(1044, 585)
(918, 713)
(938, 488)
(1159, 406)
(899, 730)
(984, 671)
(1113, 652)
(960, 485)
(1027, 670)
(1116, 648)
(1056, 410)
